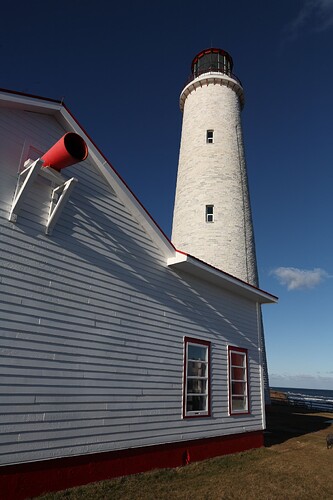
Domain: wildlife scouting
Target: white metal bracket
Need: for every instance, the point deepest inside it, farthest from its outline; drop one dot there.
(59, 196)
(25, 181)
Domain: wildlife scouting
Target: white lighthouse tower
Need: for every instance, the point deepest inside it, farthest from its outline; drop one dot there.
(212, 214)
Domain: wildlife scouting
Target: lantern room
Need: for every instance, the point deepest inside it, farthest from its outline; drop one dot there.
(212, 60)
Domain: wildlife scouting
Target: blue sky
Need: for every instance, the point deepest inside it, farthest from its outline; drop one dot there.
(120, 67)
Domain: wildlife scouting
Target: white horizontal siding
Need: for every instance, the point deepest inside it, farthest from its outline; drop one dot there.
(92, 322)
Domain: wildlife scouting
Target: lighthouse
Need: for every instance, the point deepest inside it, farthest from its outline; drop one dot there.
(212, 214)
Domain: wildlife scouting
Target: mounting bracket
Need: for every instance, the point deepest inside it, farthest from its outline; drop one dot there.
(59, 195)
(25, 181)
(59, 199)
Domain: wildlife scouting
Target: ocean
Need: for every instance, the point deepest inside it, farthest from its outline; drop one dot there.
(315, 399)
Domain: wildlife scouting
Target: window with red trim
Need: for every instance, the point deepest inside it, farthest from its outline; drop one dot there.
(196, 378)
(238, 380)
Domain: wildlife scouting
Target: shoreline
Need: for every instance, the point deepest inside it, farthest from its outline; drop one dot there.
(312, 403)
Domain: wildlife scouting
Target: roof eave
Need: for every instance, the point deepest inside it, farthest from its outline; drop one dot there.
(24, 101)
(188, 264)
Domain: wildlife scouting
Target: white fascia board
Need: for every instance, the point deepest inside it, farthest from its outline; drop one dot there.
(201, 270)
(120, 188)
(25, 102)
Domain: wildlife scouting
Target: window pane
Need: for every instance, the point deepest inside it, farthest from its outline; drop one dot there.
(204, 64)
(197, 352)
(196, 369)
(237, 359)
(239, 404)
(228, 67)
(238, 374)
(238, 388)
(196, 386)
(196, 403)
(209, 213)
(210, 136)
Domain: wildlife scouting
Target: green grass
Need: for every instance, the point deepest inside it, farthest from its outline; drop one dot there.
(295, 464)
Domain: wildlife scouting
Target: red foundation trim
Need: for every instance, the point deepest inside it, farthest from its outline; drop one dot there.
(18, 482)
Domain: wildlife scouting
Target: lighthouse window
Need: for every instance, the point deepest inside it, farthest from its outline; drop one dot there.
(209, 213)
(238, 381)
(210, 136)
(196, 378)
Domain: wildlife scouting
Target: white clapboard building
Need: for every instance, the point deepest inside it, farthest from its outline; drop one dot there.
(119, 353)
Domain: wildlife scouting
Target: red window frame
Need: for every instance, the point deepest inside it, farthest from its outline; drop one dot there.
(196, 413)
(238, 380)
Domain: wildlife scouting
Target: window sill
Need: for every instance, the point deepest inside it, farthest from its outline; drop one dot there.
(239, 413)
(197, 415)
